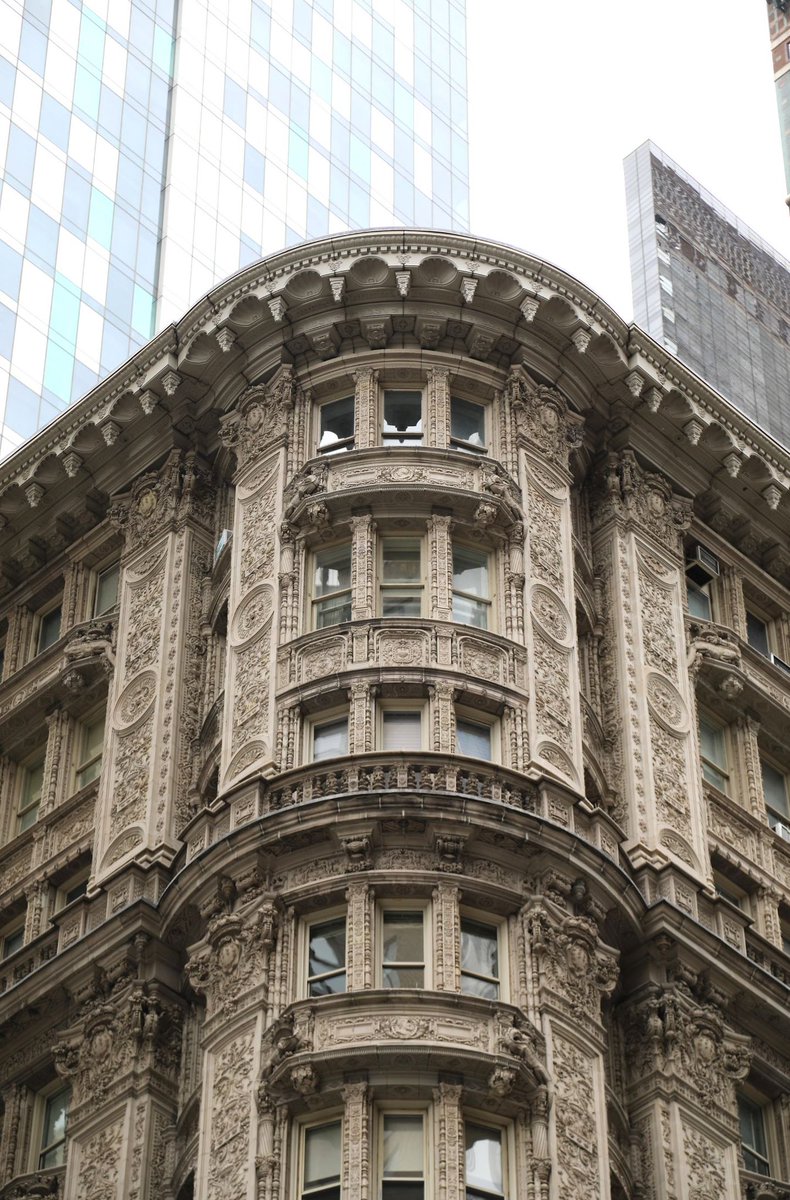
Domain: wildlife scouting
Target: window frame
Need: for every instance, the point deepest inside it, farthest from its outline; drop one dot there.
(394, 587)
(458, 443)
(314, 601)
(499, 925)
(719, 729)
(698, 589)
(753, 1104)
(487, 1120)
(462, 545)
(343, 445)
(309, 922)
(81, 764)
(9, 932)
(41, 1102)
(770, 811)
(405, 905)
(473, 716)
(386, 1109)
(25, 771)
(384, 706)
(317, 721)
(405, 440)
(98, 574)
(41, 615)
(304, 1126)
(60, 898)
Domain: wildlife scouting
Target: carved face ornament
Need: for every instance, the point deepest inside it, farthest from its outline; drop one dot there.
(228, 955)
(101, 1043)
(578, 957)
(146, 503)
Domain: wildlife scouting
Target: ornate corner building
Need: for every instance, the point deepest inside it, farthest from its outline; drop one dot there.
(394, 755)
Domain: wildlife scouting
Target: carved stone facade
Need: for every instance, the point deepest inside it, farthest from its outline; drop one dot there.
(437, 811)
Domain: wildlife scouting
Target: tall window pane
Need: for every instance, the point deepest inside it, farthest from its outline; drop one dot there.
(30, 798)
(757, 634)
(401, 577)
(326, 971)
(49, 629)
(484, 1174)
(479, 959)
(402, 418)
(89, 766)
(402, 730)
(336, 426)
(322, 1162)
(775, 793)
(332, 586)
(472, 739)
(753, 1145)
(467, 425)
(403, 960)
(470, 586)
(330, 740)
(713, 752)
(106, 590)
(403, 1155)
(53, 1138)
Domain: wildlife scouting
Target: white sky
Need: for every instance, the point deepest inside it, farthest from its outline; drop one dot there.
(561, 90)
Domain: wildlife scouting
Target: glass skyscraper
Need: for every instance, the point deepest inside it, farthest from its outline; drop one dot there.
(152, 147)
(709, 289)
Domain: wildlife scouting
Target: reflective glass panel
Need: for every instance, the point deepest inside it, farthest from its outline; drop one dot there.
(479, 959)
(775, 792)
(467, 423)
(53, 1138)
(402, 730)
(322, 1160)
(327, 958)
(49, 629)
(333, 586)
(330, 740)
(403, 1146)
(473, 739)
(402, 418)
(757, 634)
(483, 1161)
(337, 426)
(402, 960)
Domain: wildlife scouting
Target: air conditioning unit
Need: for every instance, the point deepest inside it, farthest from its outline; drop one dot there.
(780, 663)
(222, 542)
(701, 565)
(782, 830)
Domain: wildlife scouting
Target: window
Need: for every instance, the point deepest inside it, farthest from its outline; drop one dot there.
(53, 1133)
(753, 1145)
(402, 1156)
(336, 426)
(48, 629)
(775, 794)
(484, 1162)
(467, 425)
(403, 949)
(106, 596)
(757, 634)
(402, 419)
(401, 577)
(321, 1161)
(330, 739)
(729, 890)
(479, 959)
(699, 602)
(401, 729)
(72, 889)
(472, 738)
(326, 957)
(713, 753)
(90, 753)
(12, 940)
(332, 586)
(30, 796)
(470, 586)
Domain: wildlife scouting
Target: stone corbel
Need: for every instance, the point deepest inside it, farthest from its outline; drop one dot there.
(643, 499)
(544, 421)
(234, 957)
(261, 418)
(571, 962)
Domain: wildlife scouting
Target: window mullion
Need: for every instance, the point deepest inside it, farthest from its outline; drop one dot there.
(363, 529)
(440, 566)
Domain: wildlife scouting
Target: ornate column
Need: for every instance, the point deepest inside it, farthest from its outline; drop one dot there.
(545, 430)
(440, 567)
(514, 582)
(447, 936)
(648, 698)
(450, 1155)
(360, 722)
(289, 579)
(438, 405)
(17, 645)
(442, 711)
(568, 970)
(366, 406)
(684, 1062)
(73, 608)
(36, 897)
(363, 567)
(121, 1058)
(359, 962)
(13, 1097)
(747, 765)
(57, 770)
(356, 1142)
(167, 520)
(256, 432)
(732, 596)
(232, 968)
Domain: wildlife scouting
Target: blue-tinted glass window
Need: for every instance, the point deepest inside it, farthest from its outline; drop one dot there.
(152, 200)
(249, 251)
(124, 237)
(457, 66)
(42, 236)
(442, 139)
(130, 183)
(160, 90)
(298, 153)
(440, 52)
(141, 32)
(383, 42)
(460, 154)
(303, 21)
(33, 48)
(359, 205)
(147, 245)
(142, 312)
(260, 28)
(360, 158)
(76, 202)
(360, 114)
(20, 157)
(100, 218)
(120, 291)
(382, 86)
(114, 349)
(423, 78)
(404, 105)
(341, 53)
(87, 93)
(58, 370)
(21, 409)
(83, 380)
(423, 209)
(404, 151)
(440, 95)
(41, 10)
(138, 79)
(10, 271)
(321, 80)
(133, 131)
(458, 110)
(442, 184)
(7, 323)
(338, 192)
(327, 7)
(404, 198)
(163, 50)
(300, 107)
(457, 27)
(65, 312)
(155, 147)
(253, 168)
(360, 67)
(54, 121)
(91, 45)
(7, 77)
(317, 217)
(279, 90)
(235, 102)
(110, 112)
(340, 141)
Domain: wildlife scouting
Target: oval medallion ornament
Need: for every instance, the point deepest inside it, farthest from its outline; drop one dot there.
(252, 614)
(135, 701)
(667, 703)
(551, 614)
